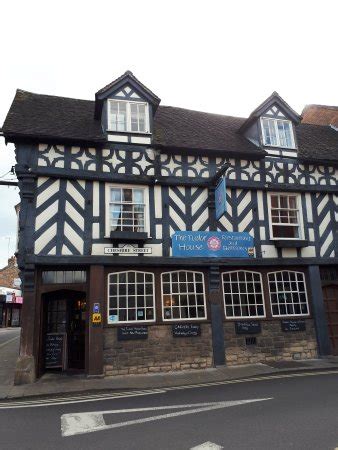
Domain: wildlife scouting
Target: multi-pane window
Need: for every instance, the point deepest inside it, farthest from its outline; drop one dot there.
(243, 294)
(117, 116)
(127, 209)
(56, 316)
(288, 293)
(63, 276)
(285, 217)
(277, 133)
(131, 297)
(128, 116)
(183, 295)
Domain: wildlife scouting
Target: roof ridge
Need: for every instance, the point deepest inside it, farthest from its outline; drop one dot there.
(53, 96)
(201, 112)
(333, 107)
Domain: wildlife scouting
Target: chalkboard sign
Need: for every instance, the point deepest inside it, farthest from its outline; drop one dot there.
(293, 325)
(186, 330)
(131, 333)
(55, 350)
(248, 327)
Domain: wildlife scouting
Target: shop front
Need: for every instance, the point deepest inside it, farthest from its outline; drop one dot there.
(10, 307)
(163, 320)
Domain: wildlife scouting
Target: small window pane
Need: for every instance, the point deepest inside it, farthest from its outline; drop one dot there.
(182, 298)
(242, 294)
(125, 305)
(289, 293)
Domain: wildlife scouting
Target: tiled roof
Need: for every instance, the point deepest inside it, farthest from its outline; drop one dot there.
(48, 117)
(320, 115)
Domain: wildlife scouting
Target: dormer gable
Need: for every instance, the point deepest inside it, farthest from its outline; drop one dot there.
(126, 109)
(272, 126)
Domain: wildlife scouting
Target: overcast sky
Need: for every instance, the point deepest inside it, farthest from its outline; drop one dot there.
(217, 56)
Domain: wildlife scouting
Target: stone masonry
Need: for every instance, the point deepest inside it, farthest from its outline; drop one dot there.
(161, 352)
(272, 344)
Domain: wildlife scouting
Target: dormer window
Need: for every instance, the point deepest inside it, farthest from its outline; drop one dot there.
(128, 116)
(277, 133)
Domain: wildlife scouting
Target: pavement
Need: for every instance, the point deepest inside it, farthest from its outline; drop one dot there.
(61, 383)
(9, 350)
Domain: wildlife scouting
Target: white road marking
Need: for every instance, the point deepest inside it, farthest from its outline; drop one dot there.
(80, 400)
(207, 446)
(65, 400)
(88, 422)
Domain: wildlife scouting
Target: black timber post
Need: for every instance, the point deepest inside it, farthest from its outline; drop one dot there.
(215, 296)
(217, 329)
(323, 340)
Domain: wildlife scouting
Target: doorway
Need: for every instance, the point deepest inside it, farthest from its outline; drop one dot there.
(330, 294)
(65, 315)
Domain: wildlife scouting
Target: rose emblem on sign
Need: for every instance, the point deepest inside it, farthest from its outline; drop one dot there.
(214, 243)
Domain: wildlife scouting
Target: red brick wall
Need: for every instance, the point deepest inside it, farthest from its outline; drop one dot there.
(8, 273)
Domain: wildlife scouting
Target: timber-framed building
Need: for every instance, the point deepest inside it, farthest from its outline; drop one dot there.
(105, 185)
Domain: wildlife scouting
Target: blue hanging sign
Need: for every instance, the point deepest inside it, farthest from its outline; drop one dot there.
(220, 199)
(214, 244)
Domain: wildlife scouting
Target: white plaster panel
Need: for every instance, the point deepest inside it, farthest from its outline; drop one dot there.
(43, 240)
(47, 193)
(96, 231)
(269, 251)
(96, 198)
(158, 202)
(158, 231)
(74, 238)
(140, 140)
(117, 138)
(71, 211)
(289, 252)
(46, 214)
(308, 252)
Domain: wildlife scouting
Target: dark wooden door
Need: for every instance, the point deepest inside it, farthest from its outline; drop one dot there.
(76, 333)
(66, 313)
(330, 294)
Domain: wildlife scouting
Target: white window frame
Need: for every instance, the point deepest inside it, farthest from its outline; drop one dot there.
(299, 216)
(275, 120)
(277, 292)
(131, 321)
(128, 130)
(145, 188)
(262, 292)
(184, 319)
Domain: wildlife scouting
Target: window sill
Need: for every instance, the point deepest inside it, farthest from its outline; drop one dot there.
(128, 236)
(289, 243)
(127, 132)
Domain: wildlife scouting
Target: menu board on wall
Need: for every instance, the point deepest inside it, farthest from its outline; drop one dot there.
(130, 333)
(293, 325)
(186, 330)
(248, 327)
(55, 350)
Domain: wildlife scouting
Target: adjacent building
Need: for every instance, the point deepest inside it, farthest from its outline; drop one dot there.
(10, 295)
(125, 267)
(321, 115)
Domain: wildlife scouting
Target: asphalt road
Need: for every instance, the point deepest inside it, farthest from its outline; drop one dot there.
(301, 413)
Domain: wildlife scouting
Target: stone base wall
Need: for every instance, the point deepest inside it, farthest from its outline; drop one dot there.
(273, 344)
(160, 352)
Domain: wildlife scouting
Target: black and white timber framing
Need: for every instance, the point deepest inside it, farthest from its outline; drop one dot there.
(67, 158)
